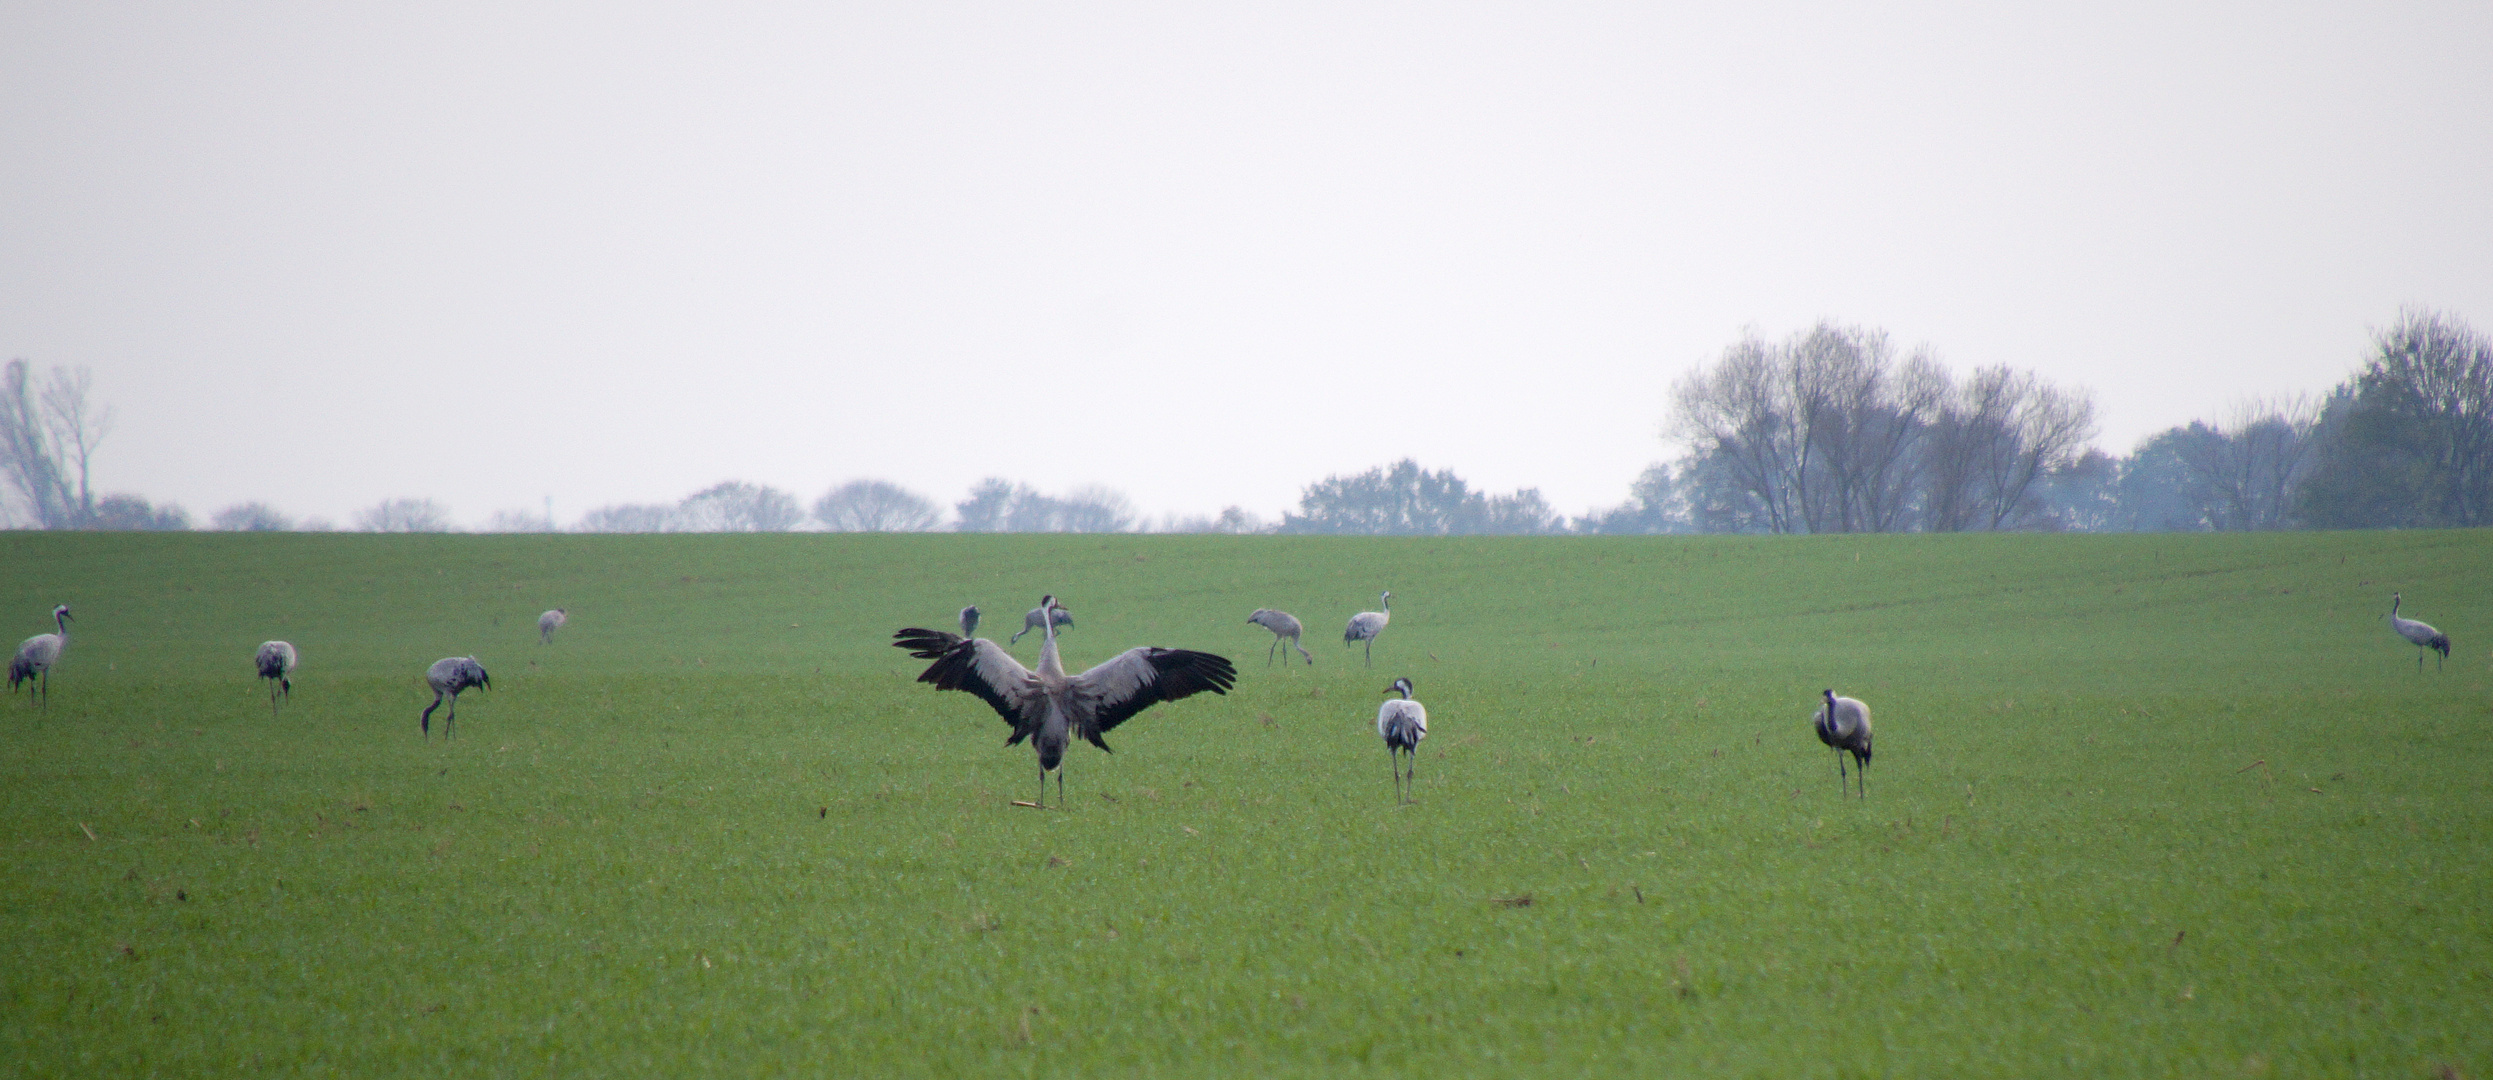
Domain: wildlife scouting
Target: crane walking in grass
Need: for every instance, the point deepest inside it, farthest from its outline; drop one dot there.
(1050, 708)
(1367, 624)
(1040, 615)
(1403, 723)
(36, 655)
(450, 675)
(1284, 627)
(1844, 725)
(2422, 634)
(276, 663)
(548, 623)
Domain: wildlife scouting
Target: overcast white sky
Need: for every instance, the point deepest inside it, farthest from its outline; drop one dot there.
(321, 254)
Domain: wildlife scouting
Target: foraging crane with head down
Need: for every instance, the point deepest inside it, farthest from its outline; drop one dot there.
(2422, 634)
(1051, 616)
(1284, 627)
(1403, 723)
(1367, 624)
(1844, 725)
(275, 661)
(1051, 708)
(549, 622)
(450, 675)
(36, 655)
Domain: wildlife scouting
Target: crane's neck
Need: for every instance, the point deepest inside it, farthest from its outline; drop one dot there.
(61, 620)
(1049, 662)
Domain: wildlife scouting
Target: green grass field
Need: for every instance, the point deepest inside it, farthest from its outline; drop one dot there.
(2142, 805)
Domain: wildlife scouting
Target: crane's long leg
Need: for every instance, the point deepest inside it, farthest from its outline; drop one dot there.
(1060, 788)
(1276, 643)
(1841, 779)
(1370, 653)
(1042, 787)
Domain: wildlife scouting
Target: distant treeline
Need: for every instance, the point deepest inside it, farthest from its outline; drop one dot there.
(1829, 430)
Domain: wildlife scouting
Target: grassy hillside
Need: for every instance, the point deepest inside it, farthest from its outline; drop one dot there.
(2141, 804)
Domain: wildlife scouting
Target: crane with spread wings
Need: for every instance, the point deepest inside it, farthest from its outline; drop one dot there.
(1051, 708)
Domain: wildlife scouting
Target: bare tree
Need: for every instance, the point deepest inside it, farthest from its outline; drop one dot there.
(2408, 442)
(133, 513)
(990, 500)
(2249, 468)
(1033, 512)
(1821, 432)
(1866, 414)
(875, 506)
(1232, 519)
(995, 505)
(48, 436)
(1524, 513)
(404, 516)
(250, 517)
(629, 518)
(1094, 509)
(736, 506)
(1739, 419)
(519, 521)
(2001, 432)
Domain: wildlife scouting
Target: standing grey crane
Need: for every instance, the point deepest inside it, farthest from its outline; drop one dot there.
(1284, 626)
(548, 623)
(37, 654)
(1044, 613)
(1844, 725)
(1367, 624)
(1403, 722)
(969, 621)
(1048, 707)
(276, 663)
(449, 675)
(2422, 634)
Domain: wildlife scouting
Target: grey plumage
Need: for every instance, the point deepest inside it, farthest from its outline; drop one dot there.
(1844, 725)
(275, 661)
(1050, 708)
(1284, 627)
(36, 655)
(1402, 723)
(1365, 626)
(549, 622)
(969, 621)
(2422, 634)
(449, 676)
(1058, 616)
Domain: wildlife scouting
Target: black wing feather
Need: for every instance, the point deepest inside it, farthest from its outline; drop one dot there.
(1179, 673)
(954, 668)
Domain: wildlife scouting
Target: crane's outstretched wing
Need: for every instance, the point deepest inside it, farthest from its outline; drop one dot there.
(1138, 679)
(980, 667)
